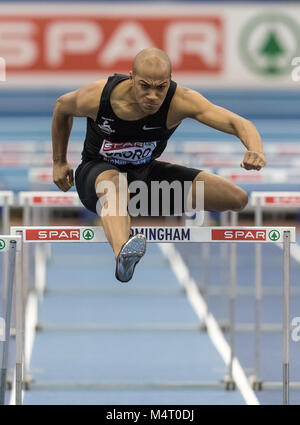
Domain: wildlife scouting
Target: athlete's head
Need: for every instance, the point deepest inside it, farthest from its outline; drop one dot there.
(150, 77)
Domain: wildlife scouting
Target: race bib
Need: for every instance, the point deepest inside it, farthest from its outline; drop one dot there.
(127, 152)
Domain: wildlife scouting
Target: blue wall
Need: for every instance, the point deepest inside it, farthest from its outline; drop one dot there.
(249, 103)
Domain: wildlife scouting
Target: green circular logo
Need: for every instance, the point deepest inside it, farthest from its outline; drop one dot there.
(2, 244)
(268, 44)
(88, 234)
(274, 235)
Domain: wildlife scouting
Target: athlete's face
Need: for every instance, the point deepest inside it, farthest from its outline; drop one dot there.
(150, 88)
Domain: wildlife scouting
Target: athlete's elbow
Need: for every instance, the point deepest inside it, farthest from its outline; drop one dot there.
(61, 107)
(241, 200)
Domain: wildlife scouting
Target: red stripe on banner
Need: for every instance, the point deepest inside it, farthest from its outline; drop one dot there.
(238, 234)
(37, 200)
(283, 200)
(54, 200)
(246, 177)
(107, 44)
(52, 234)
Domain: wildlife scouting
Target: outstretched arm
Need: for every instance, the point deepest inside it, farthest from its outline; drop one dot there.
(199, 108)
(83, 102)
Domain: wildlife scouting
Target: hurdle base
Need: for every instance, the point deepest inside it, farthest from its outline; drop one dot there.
(9, 384)
(230, 385)
(255, 383)
(27, 382)
(223, 324)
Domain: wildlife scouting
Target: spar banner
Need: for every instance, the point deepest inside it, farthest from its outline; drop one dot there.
(223, 45)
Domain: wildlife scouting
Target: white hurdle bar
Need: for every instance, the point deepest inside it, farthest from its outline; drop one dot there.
(28, 200)
(265, 176)
(12, 245)
(261, 201)
(285, 235)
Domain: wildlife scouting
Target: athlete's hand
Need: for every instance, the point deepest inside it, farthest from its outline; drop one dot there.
(253, 160)
(63, 175)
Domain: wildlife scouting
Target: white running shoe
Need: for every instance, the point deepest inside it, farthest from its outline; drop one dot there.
(131, 253)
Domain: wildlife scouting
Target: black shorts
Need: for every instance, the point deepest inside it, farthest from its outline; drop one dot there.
(88, 171)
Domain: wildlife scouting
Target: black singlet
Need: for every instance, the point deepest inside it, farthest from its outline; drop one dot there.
(123, 142)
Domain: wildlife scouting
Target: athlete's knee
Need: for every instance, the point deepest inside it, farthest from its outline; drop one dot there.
(112, 193)
(110, 183)
(240, 200)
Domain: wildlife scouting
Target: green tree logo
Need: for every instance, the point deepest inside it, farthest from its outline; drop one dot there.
(2, 244)
(272, 49)
(268, 43)
(274, 235)
(88, 234)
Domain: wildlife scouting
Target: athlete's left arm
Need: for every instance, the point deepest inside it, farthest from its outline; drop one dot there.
(199, 108)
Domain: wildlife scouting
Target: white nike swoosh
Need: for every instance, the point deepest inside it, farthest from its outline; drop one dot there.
(150, 128)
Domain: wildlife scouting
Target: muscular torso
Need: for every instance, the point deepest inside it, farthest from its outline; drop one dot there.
(130, 112)
(119, 130)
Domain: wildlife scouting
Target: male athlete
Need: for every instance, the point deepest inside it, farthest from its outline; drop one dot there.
(129, 121)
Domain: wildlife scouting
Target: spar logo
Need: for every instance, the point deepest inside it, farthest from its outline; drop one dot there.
(274, 235)
(54, 200)
(53, 234)
(269, 42)
(88, 234)
(238, 235)
(98, 42)
(2, 244)
(283, 200)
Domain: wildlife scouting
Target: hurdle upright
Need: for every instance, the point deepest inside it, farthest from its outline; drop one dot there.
(262, 201)
(6, 202)
(11, 245)
(68, 234)
(33, 203)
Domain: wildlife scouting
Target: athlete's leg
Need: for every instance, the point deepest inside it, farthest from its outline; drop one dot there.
(219, 193)
(114, 216)
(103, 189)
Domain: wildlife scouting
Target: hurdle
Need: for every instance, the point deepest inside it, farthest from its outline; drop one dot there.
(286, 150)
(35, 206)
(205, 153)
(11, 245)
(6, 202)
(69, 234)
(31, 200)
(261, 201)
(284, 176)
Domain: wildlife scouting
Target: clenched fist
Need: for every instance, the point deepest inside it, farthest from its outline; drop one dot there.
(253, 160)
(63, 175)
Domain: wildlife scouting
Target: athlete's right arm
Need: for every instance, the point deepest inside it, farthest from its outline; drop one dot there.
(83, 102)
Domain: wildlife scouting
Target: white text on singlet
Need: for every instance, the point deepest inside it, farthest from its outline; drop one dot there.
(127, 152)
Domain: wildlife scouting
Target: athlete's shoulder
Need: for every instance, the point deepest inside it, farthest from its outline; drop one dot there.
(88, 97)
(185, 94)
(83, 102)
(92, 90)
(186, 101)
